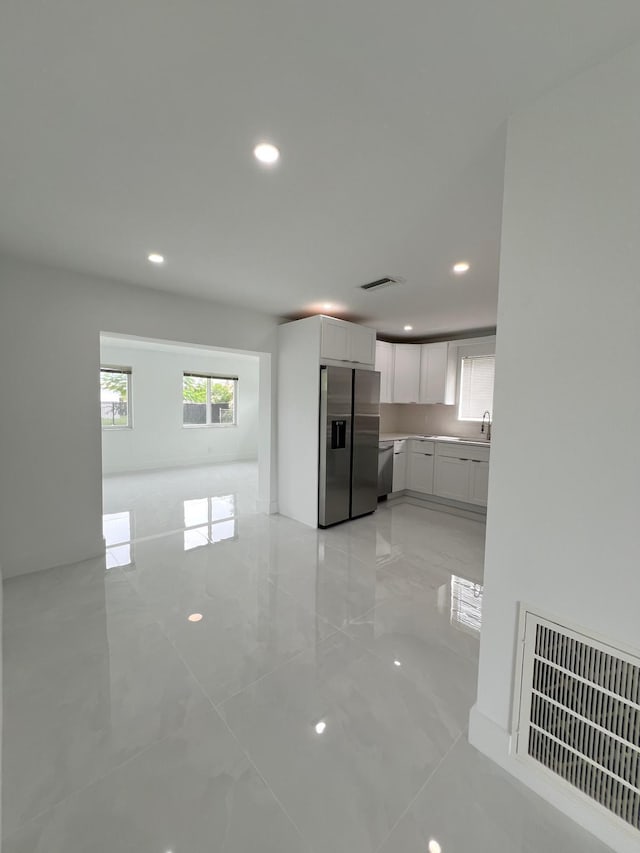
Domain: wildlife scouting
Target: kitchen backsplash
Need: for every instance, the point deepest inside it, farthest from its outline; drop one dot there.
(434, 419)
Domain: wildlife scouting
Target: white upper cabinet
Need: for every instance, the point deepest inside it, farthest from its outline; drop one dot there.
(435, 374)
(384, 364)
(362, 344)
(406, 373)
(342, 341)
(335, 339)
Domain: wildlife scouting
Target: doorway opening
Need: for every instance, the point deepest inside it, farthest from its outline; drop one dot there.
(186, 443)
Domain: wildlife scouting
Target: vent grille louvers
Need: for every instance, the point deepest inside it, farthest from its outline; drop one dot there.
(379, 283)
(579, 714)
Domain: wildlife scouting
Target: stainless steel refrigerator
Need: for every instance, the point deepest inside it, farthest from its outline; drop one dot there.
(349, 434)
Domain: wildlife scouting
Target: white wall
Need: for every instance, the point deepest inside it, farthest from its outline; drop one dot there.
(158, 438)
(564, 497)
(50, 323)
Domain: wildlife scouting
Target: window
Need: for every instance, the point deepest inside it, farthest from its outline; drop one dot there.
(209, 400)
(476, 387)
(115, 397)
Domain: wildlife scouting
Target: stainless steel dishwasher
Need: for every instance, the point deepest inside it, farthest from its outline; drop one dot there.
(385, 468)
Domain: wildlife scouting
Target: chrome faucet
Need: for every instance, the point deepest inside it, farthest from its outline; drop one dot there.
(487, 414)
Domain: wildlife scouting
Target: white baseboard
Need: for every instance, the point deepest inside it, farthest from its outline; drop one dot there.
(268, 507)
(176, 463)
(495, 742)
(488, 737)
(27, 564)
(463, 510)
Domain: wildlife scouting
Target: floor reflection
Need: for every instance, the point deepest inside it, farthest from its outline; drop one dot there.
(466, 604)
(206, 521)
(117, 529)
(209, 520)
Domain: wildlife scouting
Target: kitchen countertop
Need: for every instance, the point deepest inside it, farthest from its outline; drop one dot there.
(397, 436)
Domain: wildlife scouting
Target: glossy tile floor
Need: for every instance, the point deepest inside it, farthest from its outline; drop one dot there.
(236, 682)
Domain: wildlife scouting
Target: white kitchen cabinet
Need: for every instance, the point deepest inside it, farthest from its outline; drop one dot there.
(420, 472)
(462, 472)
(342, 341)
(303, 346)
(452, 477)
(335, 340)
(399, 468)
(479, 482)
(406, 373)
(384, 365)
(437, 374)
(362, 344)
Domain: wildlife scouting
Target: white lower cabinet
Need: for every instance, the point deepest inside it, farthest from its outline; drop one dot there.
(459, 472)
(420, 473)
(399, 470)
(420, 466)
(452, 478)
(479, 482)
(462, 473)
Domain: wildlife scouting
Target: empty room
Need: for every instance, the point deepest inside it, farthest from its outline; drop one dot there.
(317, 534)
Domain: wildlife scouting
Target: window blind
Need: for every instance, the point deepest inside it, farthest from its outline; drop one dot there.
(476, 386)
(211, 376)
(112, 369)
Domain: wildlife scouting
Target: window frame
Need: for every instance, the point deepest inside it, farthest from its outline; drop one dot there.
(472, 351)
(128, 372)
(210, 377)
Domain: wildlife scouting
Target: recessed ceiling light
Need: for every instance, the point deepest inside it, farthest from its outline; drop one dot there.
(434, 847)
(155, 258)
(195, 617)
(461, 267)
(408, 328)
(320, 727)
(397, 663)
(266, 153)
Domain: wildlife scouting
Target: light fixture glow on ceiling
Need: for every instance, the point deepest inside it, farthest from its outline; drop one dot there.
(434, 847)
(461, 267)
(155, 258)
(397, 663)
(327, 306)
(266, 153)
(195, 617)
(408, 328)
(320, 727)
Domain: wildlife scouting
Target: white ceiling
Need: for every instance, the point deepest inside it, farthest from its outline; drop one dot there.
(127, 127)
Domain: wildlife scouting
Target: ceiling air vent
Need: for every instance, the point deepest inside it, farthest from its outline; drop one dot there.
(578, 714)
(379, 283)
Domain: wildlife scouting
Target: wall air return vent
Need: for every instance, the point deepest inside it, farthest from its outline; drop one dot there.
(578, 714)
(379, 283)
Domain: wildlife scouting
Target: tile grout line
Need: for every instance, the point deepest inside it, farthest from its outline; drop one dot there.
(262, 777)
(82, 788)
(418, 792)
(215, 709)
